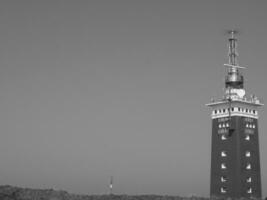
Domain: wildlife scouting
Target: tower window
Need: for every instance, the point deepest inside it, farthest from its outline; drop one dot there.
(227, 124)
(215, 111)
(220, 126)
(223, 190)
(232, 109)
(247, 154)
(223, 154)
(223, 137)
(222, 131)
(247, 137)
(248, 166)
(239, 109)
(249, 180)
(223, 166)
(224, 110)
(253, 126)
(249, 131)
(223, 179)
(248, 119)
(249, 191)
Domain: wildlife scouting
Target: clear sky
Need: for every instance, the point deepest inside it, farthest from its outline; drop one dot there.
(93, 89)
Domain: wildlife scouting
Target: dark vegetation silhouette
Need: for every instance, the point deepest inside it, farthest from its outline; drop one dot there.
(8, 192)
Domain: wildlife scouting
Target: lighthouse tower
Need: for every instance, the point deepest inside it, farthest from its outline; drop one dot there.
(235, 156)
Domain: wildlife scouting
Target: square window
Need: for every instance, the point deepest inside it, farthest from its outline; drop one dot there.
(249, 131)
(249, 180)
(223, 166)
(247, 154)
(223, 190)
(223, 179)
(248, 166)
(223, 137)
(247, 137)
(223, 154)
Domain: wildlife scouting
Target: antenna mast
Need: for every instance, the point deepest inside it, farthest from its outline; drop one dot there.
(233, 80)
(233, 48)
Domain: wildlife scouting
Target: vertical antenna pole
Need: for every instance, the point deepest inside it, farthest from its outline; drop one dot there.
(232, 48)
(111, 185)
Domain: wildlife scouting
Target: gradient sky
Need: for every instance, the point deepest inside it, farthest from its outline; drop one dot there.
(93, 89)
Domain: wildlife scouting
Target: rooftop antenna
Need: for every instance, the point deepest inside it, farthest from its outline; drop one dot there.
(111, 185)
(234, 79)
(233, 54)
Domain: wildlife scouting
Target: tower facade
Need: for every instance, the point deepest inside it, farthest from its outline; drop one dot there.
(235, 156)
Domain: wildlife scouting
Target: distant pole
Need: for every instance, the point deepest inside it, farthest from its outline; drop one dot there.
(111, 185)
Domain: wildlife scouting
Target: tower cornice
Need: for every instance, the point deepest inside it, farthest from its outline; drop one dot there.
(233, 101)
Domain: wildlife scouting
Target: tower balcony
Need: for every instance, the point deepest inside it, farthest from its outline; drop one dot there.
(235, 107)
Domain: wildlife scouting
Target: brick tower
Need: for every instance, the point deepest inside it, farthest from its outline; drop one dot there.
(235, 156)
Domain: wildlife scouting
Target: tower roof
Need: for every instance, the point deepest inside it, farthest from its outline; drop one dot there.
(234, 81)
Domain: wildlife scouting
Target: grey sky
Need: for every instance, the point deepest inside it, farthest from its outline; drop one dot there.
(90, 89)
